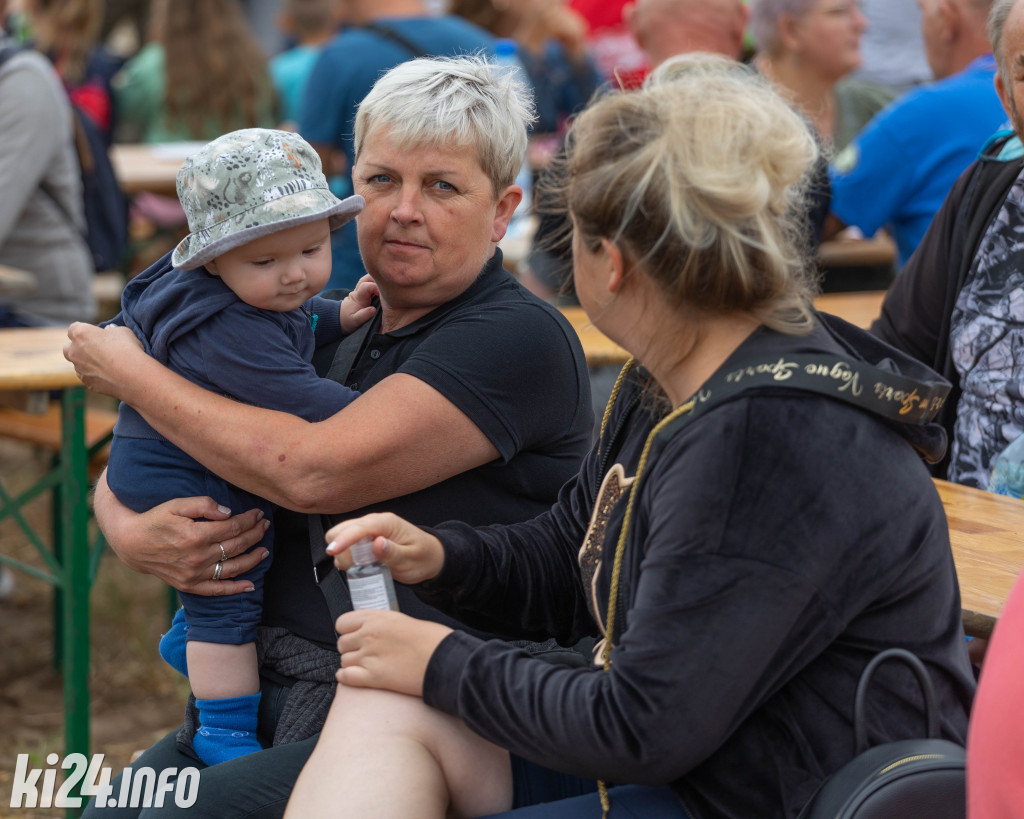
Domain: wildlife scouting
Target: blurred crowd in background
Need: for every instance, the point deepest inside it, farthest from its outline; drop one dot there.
(156, 71)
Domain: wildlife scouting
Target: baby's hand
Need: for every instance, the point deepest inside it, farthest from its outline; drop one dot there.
(357, 307)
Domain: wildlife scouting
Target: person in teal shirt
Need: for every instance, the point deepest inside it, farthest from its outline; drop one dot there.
(310, 24)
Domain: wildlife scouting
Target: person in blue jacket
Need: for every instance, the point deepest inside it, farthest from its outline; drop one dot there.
(234, 308)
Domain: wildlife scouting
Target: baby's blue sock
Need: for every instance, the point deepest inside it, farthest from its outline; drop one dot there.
(172, 644)
(227, 728)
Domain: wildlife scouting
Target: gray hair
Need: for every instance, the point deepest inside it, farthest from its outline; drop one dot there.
(996, 23)
(460, 101)
(764, 20)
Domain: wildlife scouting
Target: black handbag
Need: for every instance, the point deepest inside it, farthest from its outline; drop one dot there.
(906, 779)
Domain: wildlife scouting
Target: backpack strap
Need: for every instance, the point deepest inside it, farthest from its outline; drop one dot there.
(65, 212)
(860, 729)
(390, 34)
(328, 579)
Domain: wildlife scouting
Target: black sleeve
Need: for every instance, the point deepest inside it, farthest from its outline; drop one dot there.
(519, 580)
(494, 361)
(707, 633)
(916, 311)
(747, 573)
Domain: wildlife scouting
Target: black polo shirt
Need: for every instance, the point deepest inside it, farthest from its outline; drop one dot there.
(514, 366)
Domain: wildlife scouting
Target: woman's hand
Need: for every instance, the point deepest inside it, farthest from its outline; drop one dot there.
(386, 649)
(356, 307)
(168, 543)
(411, 554)
(101, 356)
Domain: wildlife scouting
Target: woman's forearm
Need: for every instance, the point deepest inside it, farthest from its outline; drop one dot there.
(231, 439)
(385, 444)
(263, 451)
(401, 436)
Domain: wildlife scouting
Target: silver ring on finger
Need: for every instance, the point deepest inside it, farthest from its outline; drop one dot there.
(217, 570)
(223, 554)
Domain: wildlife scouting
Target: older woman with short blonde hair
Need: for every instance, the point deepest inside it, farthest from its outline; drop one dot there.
(474, 404)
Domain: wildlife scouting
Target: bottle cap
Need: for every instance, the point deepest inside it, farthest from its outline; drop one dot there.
(362, 552)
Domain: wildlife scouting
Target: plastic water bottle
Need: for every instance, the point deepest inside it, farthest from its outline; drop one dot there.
(1008, 473)
(506, 55)
(369, 581)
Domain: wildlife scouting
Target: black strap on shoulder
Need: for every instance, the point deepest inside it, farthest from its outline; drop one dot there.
(395, 37)
(328, 579)
(64, 212)
(86, 164)
(888, 394)
(347, 352)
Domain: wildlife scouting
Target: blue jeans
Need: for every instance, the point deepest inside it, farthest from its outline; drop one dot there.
(628, 802)
(539, 793)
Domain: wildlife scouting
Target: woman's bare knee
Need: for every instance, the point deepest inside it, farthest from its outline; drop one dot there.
(477, 773)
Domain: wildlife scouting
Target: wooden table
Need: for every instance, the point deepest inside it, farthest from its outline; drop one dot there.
(857, 308)
(598, 348)
(987, 535)
(151, 168)
(848, 264)
(31, 361)
(847, 252)
(14, 282)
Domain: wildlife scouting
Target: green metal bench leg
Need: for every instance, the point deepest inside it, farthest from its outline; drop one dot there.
(74, 550)
(56, 513)
(69, 567)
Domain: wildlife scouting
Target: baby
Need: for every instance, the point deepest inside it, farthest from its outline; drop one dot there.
(234, 308)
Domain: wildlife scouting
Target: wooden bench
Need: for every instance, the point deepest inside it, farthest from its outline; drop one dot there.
(107, 287)
(14, 282)
(44, 429)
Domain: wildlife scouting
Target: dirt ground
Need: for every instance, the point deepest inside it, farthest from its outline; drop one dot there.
(135, 698)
